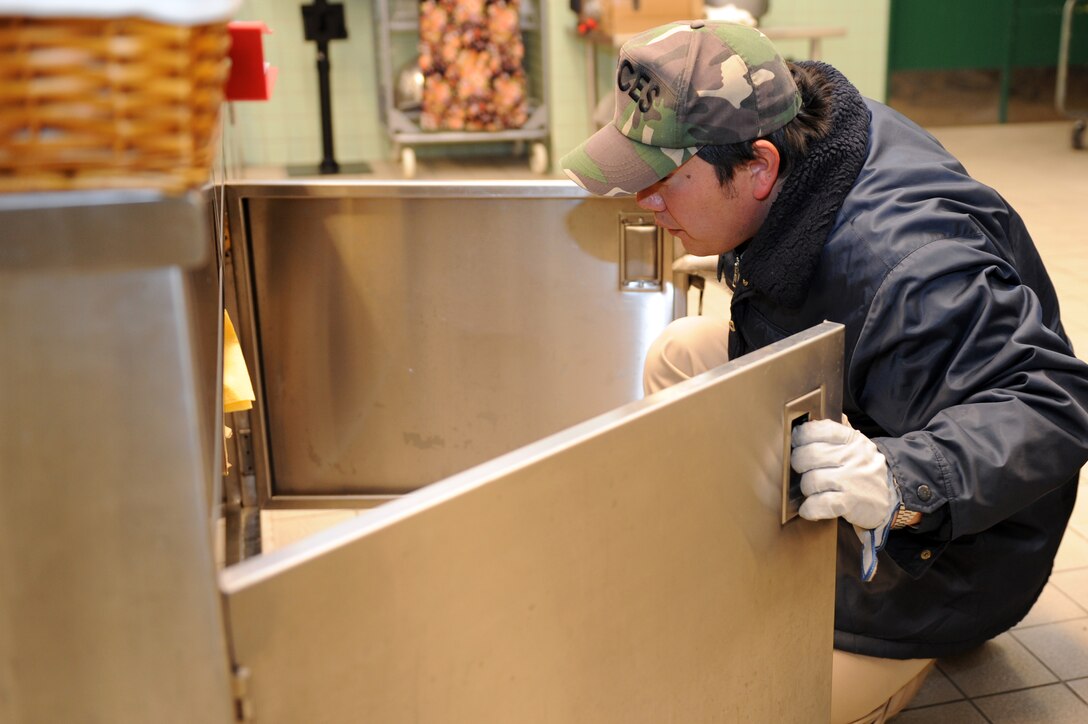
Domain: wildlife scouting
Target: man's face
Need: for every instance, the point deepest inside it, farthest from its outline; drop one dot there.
(707, 216)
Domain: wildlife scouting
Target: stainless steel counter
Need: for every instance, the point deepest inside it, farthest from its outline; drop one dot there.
(110, 460)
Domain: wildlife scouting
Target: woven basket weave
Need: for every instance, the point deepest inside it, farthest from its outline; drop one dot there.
(108, 103)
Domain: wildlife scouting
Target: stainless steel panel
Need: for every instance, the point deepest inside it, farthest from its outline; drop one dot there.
(632, 568)
(407, 331)
(109, 430)
(116, 229)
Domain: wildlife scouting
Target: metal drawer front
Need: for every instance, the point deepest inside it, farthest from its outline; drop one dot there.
(633, 568)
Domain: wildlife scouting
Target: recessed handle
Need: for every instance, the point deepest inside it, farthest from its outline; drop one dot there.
(796, 412)
(641, 252)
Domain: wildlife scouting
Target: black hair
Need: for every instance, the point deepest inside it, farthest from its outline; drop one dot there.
(813, 121)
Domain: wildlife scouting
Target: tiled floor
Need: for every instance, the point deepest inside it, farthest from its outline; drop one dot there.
(1038, 672)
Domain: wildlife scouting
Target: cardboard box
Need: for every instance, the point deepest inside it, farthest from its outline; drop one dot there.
(627, 17)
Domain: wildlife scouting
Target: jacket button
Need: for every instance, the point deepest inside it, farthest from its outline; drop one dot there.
(744, 282)
(732, 327)
(924, 493)
(926, 555)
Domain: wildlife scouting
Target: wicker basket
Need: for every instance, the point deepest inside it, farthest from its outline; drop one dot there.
(108, 103)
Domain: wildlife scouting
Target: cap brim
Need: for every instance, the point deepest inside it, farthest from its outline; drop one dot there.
(609, 163)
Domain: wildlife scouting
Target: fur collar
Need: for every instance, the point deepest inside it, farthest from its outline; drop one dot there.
(780, 260)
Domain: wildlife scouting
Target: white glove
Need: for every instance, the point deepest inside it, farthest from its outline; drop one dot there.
(844, 474)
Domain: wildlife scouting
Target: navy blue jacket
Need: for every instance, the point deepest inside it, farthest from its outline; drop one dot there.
(957, 366)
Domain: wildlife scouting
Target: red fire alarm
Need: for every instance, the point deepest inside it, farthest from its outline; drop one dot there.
(251, 78)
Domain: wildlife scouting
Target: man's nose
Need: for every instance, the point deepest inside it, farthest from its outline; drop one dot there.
(650, 200)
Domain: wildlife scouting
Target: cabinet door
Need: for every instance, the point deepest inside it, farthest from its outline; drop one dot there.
(406, 332)
(633, 568)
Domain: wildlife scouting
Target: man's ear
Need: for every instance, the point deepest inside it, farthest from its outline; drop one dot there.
(764, 168)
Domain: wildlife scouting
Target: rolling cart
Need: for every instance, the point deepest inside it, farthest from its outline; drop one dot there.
(397, 38)
(1068, 11)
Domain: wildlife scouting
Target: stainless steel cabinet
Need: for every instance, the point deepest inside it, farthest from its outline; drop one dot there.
(620, 560)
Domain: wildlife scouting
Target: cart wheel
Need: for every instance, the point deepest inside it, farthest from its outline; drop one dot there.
(408, 162)
(538, 158)
(1078, 135)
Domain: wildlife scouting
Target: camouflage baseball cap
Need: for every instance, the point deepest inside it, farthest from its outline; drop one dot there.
(680, 87)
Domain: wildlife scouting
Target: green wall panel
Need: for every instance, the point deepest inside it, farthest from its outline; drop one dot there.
(934, 34)
(959, 34)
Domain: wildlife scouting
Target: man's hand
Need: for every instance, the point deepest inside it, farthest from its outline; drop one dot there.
(844, 475)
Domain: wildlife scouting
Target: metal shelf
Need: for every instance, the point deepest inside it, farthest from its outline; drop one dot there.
(403, 126)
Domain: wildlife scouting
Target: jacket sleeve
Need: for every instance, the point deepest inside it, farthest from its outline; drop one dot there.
(986, 408)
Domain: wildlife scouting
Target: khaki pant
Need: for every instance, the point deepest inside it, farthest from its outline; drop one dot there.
(864, 689)
(869, 690)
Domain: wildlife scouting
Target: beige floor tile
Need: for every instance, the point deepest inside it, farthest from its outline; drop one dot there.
(283, 527)
(1073, 584)
(1073, 552)
(1080, 557)
(1079, 519)
(1080, 688)
(1002, 664)
(1053, 606)
(1063, 647)
(960, 712)
(937, 689)
(1054, 704)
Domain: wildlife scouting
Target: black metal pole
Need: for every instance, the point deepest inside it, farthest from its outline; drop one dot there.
(323, 21)
(328, 160)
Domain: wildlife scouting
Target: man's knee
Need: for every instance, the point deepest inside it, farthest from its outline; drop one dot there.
(687, 347)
